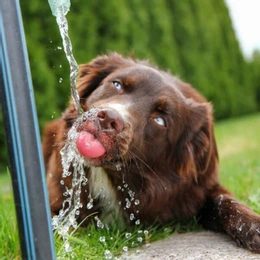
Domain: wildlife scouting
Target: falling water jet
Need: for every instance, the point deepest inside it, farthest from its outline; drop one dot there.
(59, 9)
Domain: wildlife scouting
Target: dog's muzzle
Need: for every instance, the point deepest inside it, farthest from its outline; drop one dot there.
(97, 132)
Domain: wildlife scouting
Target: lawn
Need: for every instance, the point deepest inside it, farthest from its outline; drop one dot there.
(239, 149)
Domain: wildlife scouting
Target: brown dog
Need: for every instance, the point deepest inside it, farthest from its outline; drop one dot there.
(150, 149)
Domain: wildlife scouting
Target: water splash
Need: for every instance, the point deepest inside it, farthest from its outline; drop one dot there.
(108, 254)
(73, 165)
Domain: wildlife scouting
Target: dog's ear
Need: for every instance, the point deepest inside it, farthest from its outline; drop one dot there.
(197, 151)
(92, 74)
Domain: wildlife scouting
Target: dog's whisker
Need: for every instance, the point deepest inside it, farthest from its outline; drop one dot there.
(148, 167)
(139, 168)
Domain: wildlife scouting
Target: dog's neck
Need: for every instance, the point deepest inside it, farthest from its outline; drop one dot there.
(103, 190)
(116, 194)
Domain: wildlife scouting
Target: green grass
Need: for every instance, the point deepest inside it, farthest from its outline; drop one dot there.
(9, 241)
(86, 241)
(239, 149)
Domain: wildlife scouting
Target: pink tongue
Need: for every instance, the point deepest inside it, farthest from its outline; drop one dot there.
(89, 146)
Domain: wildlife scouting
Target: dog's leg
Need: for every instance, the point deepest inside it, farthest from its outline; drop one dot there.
(222, 212)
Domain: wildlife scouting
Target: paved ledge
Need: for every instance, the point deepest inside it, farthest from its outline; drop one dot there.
(203, 245)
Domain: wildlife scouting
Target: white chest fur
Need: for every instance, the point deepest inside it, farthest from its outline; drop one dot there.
(101, 188)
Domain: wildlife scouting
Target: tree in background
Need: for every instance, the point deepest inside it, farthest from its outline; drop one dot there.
(255, 70)
(192, 39)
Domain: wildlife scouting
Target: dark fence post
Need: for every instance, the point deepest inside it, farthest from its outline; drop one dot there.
(23, 140)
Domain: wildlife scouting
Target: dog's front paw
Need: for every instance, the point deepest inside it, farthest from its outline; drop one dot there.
(247, 234)
(253, 237)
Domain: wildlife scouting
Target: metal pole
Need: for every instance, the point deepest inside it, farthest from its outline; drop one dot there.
(17, 98)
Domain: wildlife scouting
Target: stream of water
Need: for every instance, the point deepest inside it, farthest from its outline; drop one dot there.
(59, 9)
(71, 159)
(73, 164)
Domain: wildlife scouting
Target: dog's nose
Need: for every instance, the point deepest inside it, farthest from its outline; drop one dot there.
(110, 119)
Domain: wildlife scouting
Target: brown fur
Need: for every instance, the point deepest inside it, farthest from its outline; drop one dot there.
(174, 170)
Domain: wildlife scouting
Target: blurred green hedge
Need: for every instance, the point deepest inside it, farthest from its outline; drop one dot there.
(192, 39)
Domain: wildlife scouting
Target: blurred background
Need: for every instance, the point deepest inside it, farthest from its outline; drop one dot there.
(195, 40)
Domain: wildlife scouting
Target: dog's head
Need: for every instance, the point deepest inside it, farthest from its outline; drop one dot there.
(134, 111)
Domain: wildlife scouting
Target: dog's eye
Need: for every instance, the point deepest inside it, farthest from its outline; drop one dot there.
(118, 85)
(160, 121)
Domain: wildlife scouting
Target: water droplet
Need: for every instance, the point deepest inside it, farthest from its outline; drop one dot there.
(108, 254)
(102, 239)
(67, 247)
(128, 203)
(59, 48)
(137, 222)
(55, 221)
(60, 80)
(128, 235)
(84, 180)
(90, 204)
(118, 167)
(99, 223)
(62, 182)
(119, 187)
(125, 248)
(140, 239)
(126, 185)
(132, 216)
(131, 195)
(137, 202)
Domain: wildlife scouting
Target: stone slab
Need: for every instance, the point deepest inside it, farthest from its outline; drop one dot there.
(203, 245)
